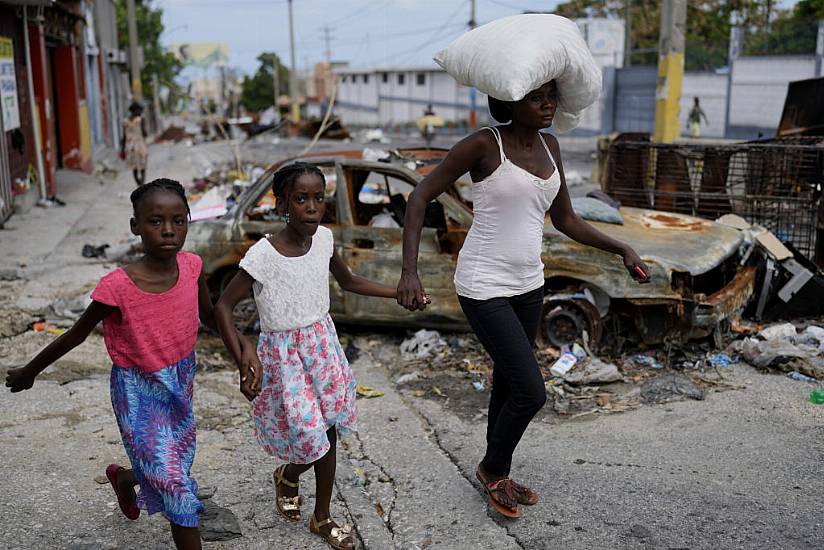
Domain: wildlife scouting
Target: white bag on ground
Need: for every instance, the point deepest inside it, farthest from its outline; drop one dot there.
(509, 57)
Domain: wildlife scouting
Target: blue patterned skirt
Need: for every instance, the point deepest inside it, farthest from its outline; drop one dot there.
(157, 424)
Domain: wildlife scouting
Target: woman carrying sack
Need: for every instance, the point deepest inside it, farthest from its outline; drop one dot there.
(517, 177)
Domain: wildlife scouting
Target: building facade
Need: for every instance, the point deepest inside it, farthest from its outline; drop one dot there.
(61, 90)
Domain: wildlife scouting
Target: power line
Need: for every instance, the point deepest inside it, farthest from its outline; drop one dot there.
(436, 35)
(355, 13)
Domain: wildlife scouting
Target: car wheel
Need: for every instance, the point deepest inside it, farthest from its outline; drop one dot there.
(565, 322)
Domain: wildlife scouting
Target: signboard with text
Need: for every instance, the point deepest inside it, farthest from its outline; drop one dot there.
(8, 86)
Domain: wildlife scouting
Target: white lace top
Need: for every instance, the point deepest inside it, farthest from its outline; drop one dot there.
(290, 292)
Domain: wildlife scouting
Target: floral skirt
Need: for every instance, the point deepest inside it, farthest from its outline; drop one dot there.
(307, 388)
(157, 424)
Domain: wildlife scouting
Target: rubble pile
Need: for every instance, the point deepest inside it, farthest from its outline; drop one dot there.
(578, 383)
(211, 195)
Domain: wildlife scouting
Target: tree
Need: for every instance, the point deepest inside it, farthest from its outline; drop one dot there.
(792, 32)
(156, 60)
(708, 25)
(258, 91)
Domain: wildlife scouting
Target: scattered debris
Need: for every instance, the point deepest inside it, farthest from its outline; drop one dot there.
(175, 134)
(645, 360)
(785, 331)
(218, 523)
(43, 326)
(597, 211)
(817, 396)
(563, 365)
(408, 377)
(795, 375)
(365, 391)
(593, 371)
(423, 344)
(720, 360)
(91, 251)
(670, 387)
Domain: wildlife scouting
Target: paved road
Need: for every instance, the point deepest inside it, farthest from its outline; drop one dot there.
(741, 469)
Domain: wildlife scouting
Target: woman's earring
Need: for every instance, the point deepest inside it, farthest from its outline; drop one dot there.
(286, 217)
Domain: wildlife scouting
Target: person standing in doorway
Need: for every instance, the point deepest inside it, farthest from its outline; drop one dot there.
(694, 119)
(517, 178)
(133, 148)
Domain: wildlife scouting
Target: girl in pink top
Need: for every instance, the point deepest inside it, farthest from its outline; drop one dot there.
(150, 311)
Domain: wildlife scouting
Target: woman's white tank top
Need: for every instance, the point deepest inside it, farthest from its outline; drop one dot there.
(501, 256)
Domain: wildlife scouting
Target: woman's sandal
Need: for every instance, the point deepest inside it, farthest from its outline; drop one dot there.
(501, 495)
(127, 505)
(336, 537)
(526, 496)
(288, 507)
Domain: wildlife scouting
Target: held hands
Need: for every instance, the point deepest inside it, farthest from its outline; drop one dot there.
(20, 379)
(410, 292)
(251, 373)
(637, 268)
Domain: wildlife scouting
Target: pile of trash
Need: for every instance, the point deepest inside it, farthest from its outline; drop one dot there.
(212, 195)
(578, 383)
(784, 348)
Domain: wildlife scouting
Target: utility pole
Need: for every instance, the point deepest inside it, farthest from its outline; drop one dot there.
(627, 33)
(473, 93)
(670, 70)
(293, 81)
(327, 38)
(276, 83)
(137, 85)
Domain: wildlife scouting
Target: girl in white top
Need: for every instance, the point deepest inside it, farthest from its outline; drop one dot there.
(517, 177)
(303, 391)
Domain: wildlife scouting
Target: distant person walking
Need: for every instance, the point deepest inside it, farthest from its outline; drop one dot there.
(694, 119)
(133, 148)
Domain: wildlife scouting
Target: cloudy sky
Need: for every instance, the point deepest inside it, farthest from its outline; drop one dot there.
(364, 32)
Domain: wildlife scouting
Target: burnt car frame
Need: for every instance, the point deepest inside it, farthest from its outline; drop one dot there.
(697, 281)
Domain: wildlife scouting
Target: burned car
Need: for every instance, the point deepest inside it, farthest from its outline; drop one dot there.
(697, 281)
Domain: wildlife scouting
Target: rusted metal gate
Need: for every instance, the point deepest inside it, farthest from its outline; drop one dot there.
(776, 184)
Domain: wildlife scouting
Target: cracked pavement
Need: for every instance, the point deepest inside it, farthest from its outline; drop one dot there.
(741, 469)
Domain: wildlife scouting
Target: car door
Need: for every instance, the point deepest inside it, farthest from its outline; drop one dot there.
(372, 246)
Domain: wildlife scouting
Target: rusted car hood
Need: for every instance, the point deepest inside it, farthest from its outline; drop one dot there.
(667, 242)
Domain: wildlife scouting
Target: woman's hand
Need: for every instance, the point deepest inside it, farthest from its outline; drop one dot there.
(410, 292)
(20, 379)
(637, 268)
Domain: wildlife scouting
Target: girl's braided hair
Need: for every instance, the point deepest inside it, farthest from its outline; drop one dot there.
(161, 184)
(284, 179)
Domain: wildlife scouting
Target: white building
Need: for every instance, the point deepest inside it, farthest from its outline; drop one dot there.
(390, 96)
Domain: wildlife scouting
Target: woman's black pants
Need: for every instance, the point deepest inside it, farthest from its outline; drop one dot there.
(507, 328)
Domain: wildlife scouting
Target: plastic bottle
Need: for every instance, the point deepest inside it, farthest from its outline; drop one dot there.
(817, 396)
(795, 375)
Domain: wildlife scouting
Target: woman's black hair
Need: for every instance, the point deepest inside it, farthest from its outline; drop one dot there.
(136, 108)
(500, 110)
(161, 184)
(284, 179)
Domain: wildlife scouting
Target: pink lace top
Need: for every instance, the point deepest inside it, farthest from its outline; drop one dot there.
(151, 331)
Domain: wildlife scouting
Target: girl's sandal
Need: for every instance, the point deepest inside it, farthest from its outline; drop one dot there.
(127, 504)
(336, 537)
(501, 495)
(288, 507)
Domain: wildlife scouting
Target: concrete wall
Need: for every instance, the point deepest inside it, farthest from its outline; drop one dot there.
(759, 88)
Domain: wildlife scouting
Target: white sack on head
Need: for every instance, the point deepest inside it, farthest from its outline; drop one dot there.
(509, 57)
